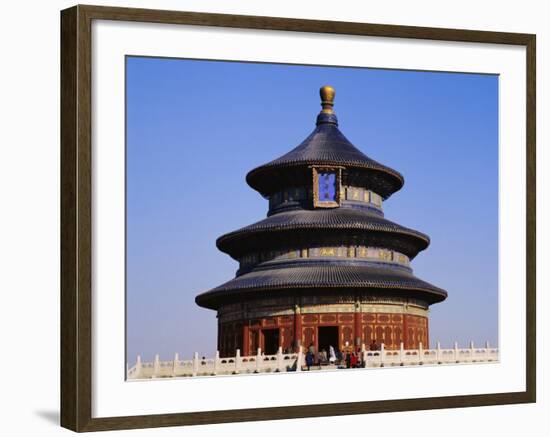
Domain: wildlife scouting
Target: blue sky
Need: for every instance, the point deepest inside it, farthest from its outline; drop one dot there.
(195, 128)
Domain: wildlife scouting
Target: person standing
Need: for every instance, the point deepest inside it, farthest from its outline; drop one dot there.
(309, 360)
(359, 358)
(332, 354)
(353, 360)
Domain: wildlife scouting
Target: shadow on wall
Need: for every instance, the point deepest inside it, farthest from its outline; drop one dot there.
(49, 416)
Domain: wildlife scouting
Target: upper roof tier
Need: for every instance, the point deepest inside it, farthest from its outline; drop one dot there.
(326, 145)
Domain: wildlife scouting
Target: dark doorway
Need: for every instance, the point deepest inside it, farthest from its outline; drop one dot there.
(328, 336)
(271, 341)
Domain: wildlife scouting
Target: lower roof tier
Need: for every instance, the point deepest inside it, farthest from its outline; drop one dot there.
(322, 226)
(296, 278)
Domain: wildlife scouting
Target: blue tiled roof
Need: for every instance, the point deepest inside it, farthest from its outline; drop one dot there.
(328, 220)
(297, 276)
(326, 145)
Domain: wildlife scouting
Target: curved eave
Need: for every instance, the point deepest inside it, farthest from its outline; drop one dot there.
(326, 145)
(327, 278)
(268, 178)
(323, 220)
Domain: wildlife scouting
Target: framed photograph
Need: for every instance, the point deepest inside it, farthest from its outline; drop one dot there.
(340, 216)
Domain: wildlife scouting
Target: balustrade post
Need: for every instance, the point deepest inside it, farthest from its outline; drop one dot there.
(175, 363)
(280, 359)
(382, 348)
(401, 353)
(438, 353)
(195, 364)
(420, 354)
(258, 360)
(299, 359)
(456, 352)
(138, 367)
(487, 351)
(237, 361)
(472, 351)
(156, 366)
(216, 363)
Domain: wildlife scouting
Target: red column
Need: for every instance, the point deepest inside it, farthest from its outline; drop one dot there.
(246, 340)
(357, 329)
(405, 332)
(357, 325)
(297, 327)
(427, 334)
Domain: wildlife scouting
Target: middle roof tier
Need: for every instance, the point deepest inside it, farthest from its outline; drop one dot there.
(307, 228)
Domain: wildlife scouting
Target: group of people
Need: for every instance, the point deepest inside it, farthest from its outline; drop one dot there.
(348, 358)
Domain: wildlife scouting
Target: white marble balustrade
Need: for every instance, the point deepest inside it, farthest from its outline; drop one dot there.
(281, 362)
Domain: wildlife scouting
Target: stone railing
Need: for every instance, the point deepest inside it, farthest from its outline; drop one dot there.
(407, 357)
(258, 363)
(281, 362)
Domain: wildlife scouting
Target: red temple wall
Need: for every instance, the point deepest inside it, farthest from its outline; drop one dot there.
(390, 329)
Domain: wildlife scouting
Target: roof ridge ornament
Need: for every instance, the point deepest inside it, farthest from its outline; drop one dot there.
(327, 94)
(327, 115)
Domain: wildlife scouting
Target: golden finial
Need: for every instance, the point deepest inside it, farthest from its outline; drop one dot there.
(327, 99)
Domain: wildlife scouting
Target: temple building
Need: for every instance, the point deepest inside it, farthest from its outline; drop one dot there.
(325, 267)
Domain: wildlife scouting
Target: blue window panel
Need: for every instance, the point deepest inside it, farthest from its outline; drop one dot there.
(327, 187)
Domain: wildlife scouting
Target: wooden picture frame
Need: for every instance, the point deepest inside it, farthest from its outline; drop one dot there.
(76, 217)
